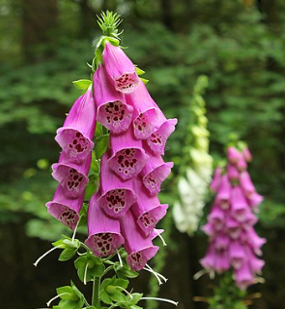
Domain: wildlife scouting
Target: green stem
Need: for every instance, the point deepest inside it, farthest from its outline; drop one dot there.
(96, 291)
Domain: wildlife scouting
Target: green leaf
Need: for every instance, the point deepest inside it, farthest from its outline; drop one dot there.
(95, 164)
(89, 266)
(67, 254)
(101, 145)
(82, 84)
(121, 282)
(125, 272)
(139, 71)
(91, 187)
(145, 81)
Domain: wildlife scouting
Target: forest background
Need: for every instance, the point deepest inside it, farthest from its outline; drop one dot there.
(45, 45)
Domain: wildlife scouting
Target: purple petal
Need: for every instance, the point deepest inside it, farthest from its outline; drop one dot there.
(155, 172)
(64, 209)
(112, 111)
(128, 157)
(104, 232)
(73, 178)
(117, 195)
(140, 249)
(239, 205)
(121, 71)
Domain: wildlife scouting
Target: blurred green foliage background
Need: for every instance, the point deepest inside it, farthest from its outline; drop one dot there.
(46, 44)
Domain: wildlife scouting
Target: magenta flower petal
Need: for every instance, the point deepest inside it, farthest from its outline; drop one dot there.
(209, 261)
(246, 154)
(209, 230)
(234, 228)
(237, 254)
(224, 193)
(140, 249)
(233, 172)
(233, 155)
(221, 242)
(64, 209)
(249, 221)
(246, 184)
(239, 205)
(222, 262)
(217, 218)
(75, 137)
(158, 138)
(120, 69)
(72, 177)
(112, 111)
(117, 196)
(148, 116)
(128, 157)
(215, 184)
(254, 200)
(254, 241)
(255, 263)
(104, 232)
(241, 164)
(147, 210)
(244, 276)
(155, 172)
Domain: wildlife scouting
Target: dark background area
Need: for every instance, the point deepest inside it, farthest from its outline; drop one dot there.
(45, 45)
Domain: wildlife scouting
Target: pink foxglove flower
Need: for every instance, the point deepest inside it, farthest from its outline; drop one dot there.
(117, 196)
(128, 155)
(155, 172)
(72, 177)
(140, 249)
(233, 240)
(148, 209)
(112, 111)
(75, 137)
(65, 209)
(215, 184)
(121, 71)
(104, 232)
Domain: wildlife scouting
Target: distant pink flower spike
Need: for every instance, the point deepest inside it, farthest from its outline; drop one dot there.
(237, 254)
(246, 184)
(64, 209)
(239, 205)
(217, 218)
(233, 155)
(147, 114)
(244, 276)
(249, 221)
(158, 138)
(140, 249)
(117, 196)
(128, 156)
(246, 154)
(224, 193)
(75, 137)
(233, 172)
(72, 177)
(215, 184)
(120, 69)
(147, 210)
(112, 111)
(104, 232)
(155, 172)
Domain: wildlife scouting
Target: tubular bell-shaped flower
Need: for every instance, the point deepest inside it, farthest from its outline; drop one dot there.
(237, 192)
(155, 172)
(140, 249)
(147, 209)
(117, 196)
(120, 70)
(72, 177)
(104, 232)
(128, 155)
(112, 111)
(75, 137)
(64, 209)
